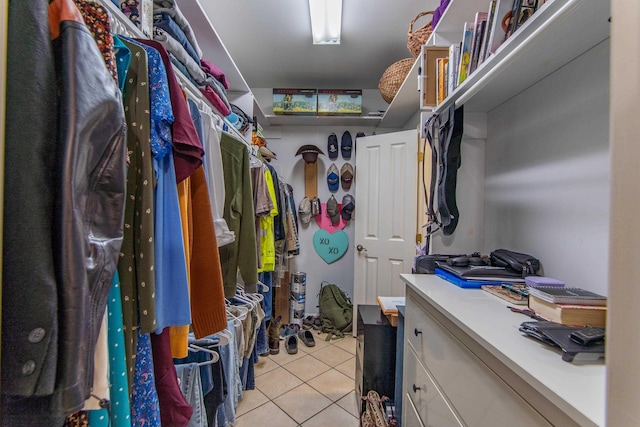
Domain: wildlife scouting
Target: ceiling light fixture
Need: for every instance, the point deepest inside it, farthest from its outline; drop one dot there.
(326, 21)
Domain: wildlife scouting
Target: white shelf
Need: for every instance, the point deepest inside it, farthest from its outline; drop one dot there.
(556, 34)
(291, 120)
(209, 41)
(406, 102)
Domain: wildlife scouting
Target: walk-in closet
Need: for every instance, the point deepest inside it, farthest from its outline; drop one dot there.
(240, 213)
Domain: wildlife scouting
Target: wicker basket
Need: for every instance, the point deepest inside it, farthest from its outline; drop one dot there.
(393, 77)
(415, 39)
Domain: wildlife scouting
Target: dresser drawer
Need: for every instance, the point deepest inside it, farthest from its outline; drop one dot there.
(479, 396)
(431, 406)
(410, 417)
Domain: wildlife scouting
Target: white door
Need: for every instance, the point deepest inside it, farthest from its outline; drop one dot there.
(385, 214)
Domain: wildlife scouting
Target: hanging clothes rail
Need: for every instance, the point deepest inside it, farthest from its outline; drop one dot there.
(120, 24)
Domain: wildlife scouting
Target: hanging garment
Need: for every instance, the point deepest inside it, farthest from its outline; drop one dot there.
(229, 357)
(278, 224)
(187, 149)
(262, 205)
(90, 201)
(29, 201)
(214, 174)
(145, 409)
(123, 60)
(267, 240)
(176, 411)
(97, 20)
(191, 388)
(172, 293)
(137, 258)
(238, 213)
(119, 412)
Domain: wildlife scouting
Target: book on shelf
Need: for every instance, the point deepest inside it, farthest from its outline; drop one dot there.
(465, 52)
(497, 36)
(454, 57)
(521, 11)
(565, 295)
(491, 14)
(429, 81)
(569, 314)
(478, 32)
(511, 22)
(441, 73)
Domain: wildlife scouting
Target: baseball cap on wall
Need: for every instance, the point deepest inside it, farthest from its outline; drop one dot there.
(332, 146)
(333, 179)
(332, 210)
(348, 205)
(346, 145)
(346, 176)
(304, 210)
(316, 206)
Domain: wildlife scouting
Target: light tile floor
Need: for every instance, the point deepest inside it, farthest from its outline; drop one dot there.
(313, 388)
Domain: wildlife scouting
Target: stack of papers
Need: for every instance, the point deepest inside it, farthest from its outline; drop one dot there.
(389, 305)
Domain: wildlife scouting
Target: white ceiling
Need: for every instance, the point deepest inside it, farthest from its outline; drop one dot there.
(270, 41)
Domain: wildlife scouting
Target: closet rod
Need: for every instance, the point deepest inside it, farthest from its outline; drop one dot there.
(120, 24)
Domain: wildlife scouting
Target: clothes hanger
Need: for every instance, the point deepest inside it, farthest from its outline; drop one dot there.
(214, 354)
(224, 338)
(243, 299)
(242, 310)
(262, 286)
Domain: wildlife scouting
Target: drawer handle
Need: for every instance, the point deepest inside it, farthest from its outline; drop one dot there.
(415, 388)
(417, 331)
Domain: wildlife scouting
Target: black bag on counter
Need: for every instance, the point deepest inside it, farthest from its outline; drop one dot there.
(524, 264)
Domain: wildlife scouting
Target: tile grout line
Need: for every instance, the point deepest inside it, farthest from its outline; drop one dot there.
(307, 353)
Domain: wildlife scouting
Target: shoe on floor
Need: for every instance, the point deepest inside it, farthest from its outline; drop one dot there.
(307, 338)
(284, 331)
(291, 344)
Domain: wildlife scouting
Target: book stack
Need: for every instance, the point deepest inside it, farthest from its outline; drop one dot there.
(482, 37)
(569, 306)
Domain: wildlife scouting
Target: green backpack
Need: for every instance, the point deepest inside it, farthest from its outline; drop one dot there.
(336, 310)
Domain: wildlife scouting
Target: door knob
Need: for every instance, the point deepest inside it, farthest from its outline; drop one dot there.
(361, 248)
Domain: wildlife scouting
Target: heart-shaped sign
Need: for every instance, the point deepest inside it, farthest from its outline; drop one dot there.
(330, 247)
(324, 222)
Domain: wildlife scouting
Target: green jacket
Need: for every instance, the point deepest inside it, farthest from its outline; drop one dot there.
(239, 215)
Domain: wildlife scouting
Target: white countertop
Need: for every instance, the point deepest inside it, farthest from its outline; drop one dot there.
(578, 388)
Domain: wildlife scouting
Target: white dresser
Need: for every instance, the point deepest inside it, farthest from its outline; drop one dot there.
(466, 363)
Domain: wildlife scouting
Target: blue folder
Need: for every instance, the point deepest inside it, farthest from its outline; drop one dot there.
(464, 283)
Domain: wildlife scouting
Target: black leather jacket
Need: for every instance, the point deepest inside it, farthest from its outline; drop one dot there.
(89, 188)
